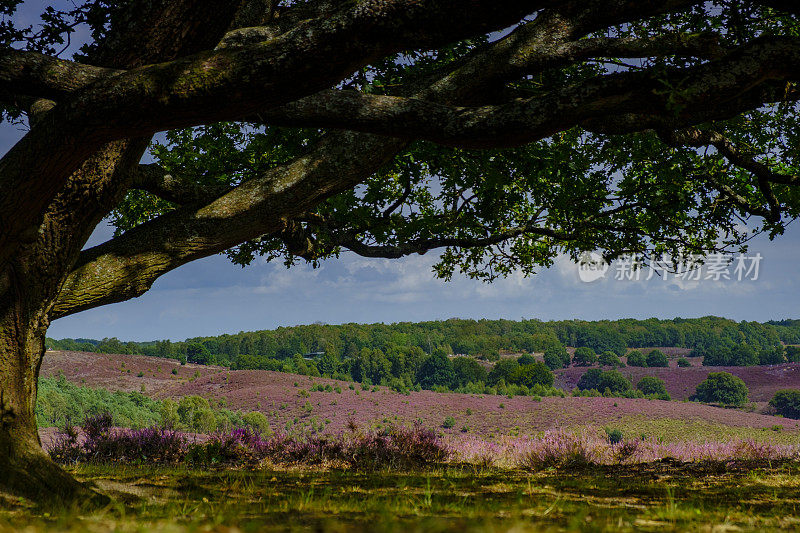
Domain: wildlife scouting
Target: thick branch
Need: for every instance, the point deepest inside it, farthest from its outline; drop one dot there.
(155, 180)
(223, 85)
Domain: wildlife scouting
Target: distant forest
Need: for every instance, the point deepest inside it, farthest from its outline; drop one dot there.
(399, 349)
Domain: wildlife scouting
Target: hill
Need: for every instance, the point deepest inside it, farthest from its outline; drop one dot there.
(288, 400)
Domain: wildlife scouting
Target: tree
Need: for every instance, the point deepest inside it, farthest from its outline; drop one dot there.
(526, 359)
(635, 358)
(723, 388)
(533, 374)
(297, 130)
(502, 370)
(656, 358)
(198, 353)
(556, 356)
(614, 382)
(771, 355)
(590, 379)
(609, 358)
(793, 354)
(653, 386)
(584, 356)
(787, 403)
(436, 370)
(468, 370)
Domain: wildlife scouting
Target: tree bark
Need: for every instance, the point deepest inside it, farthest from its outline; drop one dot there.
(25, 469)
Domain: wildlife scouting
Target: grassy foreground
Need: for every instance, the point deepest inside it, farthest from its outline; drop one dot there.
(658, 496)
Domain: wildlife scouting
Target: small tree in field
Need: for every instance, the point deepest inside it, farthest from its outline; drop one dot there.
(787, 403)
(657, 358)
(436, 370)
(635, 358)
(533, 374)
(653, 386)
(722, 388)
(584, 356)
(609, 358)
(684, 363)
(556, 356)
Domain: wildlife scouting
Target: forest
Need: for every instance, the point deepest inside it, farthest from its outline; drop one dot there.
(401, 354)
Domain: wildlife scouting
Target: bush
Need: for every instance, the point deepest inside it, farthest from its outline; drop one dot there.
(684, 363)
(449, 422)
(502, 370)
(635, 358)
(468, 370)
(657, 358)
(584, 356)
(590, 380)
(771, 356)
(258, 422)
(614, 436)
(652, 386)
(436, 370)
(793, 354)
(787, 403)
(525, 359)
(533, 374)
(722, 388)
(614, 382)
(556, 356)
(609, 358)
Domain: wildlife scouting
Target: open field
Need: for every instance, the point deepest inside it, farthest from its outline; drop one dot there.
(288, 399)
(660, 496)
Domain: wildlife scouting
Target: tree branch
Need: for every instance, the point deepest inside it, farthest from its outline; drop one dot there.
(155, 180)
(222, 85)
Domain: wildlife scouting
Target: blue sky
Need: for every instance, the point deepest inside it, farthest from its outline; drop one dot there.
(212, 296)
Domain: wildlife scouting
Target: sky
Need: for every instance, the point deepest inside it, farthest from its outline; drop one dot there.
(213, 296)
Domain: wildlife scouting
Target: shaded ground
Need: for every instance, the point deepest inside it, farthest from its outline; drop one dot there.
(287, 400)
(652, 497)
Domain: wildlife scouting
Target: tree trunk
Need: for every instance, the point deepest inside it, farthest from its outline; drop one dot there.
(25, 469)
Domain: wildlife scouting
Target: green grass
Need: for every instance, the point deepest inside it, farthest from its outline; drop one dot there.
(672, 430)
(660, 496)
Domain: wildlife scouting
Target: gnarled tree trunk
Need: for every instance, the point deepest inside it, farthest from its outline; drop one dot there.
(26, 468)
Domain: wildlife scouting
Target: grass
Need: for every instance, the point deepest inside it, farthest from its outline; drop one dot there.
(658, 496)
(673, 430)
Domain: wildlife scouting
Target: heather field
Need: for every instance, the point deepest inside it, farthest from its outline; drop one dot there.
(342, 457)
(289, 400)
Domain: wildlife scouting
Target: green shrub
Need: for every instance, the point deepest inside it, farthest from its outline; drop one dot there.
(525, 359)
(590, 380)
(502, 370)
(787, 403)
(683, 362)
(653, 386)
(635, 358)
(609, 358)
(584, 356)
(657, 358)
(614, 382)
(449, 422)
(204, 421)
(614, 436)
(556, 356)
(793, 354)
(602, 381)
(722, 388)
(533, 374)
(258, 421)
